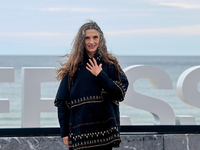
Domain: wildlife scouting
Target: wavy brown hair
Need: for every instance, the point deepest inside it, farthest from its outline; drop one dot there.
(77, 52)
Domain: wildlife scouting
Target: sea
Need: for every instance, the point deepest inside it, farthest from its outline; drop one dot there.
(174, 66)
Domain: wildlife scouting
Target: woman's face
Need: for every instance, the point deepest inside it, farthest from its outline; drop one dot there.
(91, 42)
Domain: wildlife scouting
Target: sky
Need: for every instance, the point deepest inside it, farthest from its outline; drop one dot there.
(131, 27)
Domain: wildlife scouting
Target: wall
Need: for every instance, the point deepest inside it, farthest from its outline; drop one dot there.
(130, 141)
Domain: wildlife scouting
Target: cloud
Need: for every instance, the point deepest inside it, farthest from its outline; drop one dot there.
(29, 34)
(74, 9)
(183, 30)
(87, 10)
(185, 4)
(181, 5)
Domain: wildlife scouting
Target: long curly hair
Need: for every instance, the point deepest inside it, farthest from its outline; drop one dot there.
(77, 52)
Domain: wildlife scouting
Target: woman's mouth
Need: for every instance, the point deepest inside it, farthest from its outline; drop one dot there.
(91, 46)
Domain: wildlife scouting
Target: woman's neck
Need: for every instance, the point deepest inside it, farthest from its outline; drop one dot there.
(90, 55)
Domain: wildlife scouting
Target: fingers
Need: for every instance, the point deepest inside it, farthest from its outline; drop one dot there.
(88, 68)
(92, 64)
(88, 65)
(95, 62)
(66, 140)
(100, 66)
(93, 67)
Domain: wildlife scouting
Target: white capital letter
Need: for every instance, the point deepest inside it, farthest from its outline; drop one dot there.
(187, 88)
(32, 104)
(6, 75)
(162, 112)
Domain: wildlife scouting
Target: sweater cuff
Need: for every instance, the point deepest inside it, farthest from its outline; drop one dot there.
(64, 133)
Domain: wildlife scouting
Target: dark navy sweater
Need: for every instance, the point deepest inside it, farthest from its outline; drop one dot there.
(89, 112)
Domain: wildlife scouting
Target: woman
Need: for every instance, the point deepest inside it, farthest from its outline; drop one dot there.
(92, 85)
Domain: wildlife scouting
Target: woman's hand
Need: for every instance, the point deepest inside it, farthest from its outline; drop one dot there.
(93, 67)
(66, 140)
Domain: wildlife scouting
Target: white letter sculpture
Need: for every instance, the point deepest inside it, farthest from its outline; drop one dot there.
(188, 91)
(6, 75)
(162, 112)
(32, 104)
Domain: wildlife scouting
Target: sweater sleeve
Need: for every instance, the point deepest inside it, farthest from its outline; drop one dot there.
(62, 102)
(114, 87)
(63, 91)
(63, 117)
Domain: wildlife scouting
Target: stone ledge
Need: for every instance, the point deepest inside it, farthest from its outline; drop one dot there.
(130, 141)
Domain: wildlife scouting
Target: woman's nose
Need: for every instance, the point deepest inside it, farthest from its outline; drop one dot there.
(91, 41)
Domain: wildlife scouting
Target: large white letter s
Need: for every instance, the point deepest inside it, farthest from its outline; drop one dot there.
(162, 112)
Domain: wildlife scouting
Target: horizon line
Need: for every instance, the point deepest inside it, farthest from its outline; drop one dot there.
(128, 55)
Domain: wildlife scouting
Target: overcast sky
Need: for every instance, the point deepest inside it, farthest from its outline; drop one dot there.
(131, 27)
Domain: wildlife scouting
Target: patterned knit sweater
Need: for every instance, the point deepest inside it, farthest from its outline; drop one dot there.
(89, 112)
